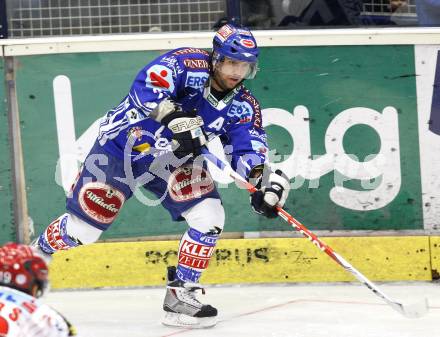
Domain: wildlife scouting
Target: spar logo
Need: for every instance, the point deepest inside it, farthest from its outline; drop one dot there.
(101, 202)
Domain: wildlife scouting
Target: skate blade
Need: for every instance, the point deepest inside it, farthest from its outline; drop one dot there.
(185, 321)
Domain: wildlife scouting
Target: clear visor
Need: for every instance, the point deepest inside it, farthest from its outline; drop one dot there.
(237, 69)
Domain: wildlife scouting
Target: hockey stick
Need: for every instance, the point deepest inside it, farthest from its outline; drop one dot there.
(410, 311)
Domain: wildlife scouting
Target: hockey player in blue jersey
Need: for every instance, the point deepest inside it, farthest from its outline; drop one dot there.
(153, 139)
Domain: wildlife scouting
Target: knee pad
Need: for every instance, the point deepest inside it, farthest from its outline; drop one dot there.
(67, 231)
(208, 216)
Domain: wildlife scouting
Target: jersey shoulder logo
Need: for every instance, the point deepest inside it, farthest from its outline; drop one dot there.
(241, 110)
(160, 77)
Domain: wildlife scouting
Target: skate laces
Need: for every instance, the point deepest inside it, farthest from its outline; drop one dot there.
(194, 286)
(187, 291)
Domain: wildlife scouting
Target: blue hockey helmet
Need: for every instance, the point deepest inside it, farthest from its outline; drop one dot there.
(237, 44)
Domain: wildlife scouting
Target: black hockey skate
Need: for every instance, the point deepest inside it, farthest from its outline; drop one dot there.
(181, 306)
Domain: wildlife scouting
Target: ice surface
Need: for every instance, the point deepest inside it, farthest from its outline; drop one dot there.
(289, 310)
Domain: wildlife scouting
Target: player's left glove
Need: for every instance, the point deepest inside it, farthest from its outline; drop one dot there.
(270, 193)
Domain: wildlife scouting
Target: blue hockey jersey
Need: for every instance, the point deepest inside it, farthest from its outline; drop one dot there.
(182, 75)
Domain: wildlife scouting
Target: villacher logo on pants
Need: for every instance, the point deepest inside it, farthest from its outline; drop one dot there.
(101, 202)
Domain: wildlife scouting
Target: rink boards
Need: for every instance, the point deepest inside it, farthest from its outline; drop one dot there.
(322, 107)
(7, 230)
(366, 94)
(133, 264)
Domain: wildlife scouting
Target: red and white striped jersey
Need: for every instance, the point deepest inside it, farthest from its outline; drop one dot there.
(22, 315)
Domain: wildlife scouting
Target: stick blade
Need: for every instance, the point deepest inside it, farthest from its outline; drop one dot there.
(414, 310)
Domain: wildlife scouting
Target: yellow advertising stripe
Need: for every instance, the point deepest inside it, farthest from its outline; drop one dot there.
(127, 264)
(435, 256)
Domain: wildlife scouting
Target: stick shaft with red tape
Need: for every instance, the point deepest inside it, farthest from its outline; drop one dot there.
(410, 311)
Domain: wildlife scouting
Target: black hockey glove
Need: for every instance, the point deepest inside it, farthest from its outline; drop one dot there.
(187, 132)
(188, 135)
(271, 193)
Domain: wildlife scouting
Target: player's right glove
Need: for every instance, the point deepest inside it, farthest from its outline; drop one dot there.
(270, 194)
(187, 130)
